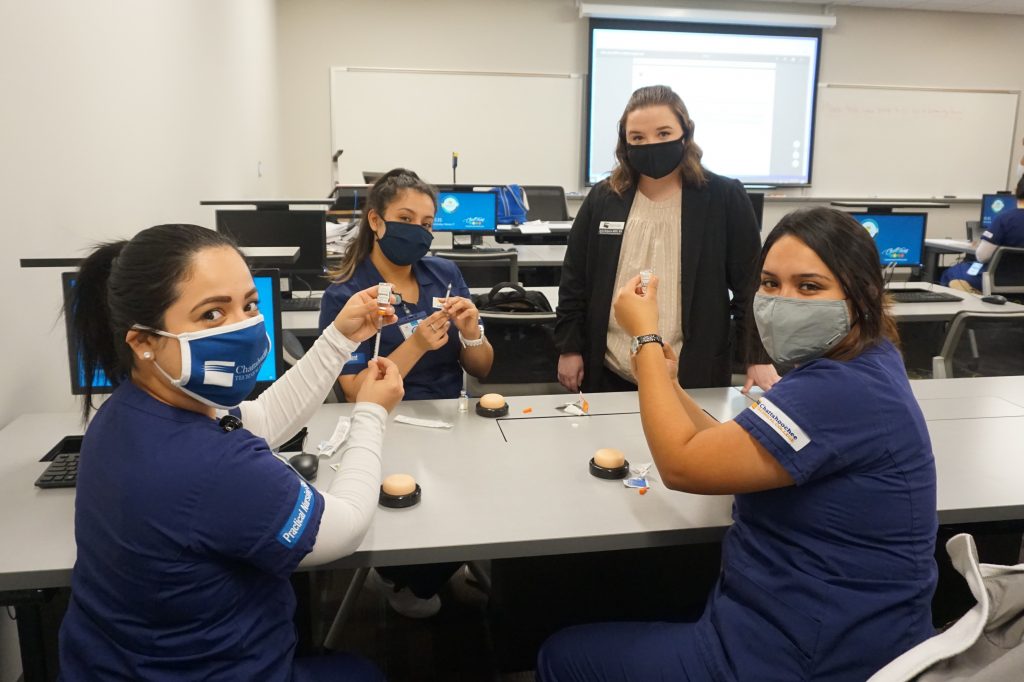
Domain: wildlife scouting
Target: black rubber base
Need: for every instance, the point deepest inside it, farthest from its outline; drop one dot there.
(605, 472)
(488, 412)
(399, 501)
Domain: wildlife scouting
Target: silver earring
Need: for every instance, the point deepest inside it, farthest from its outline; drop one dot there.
(148, 355)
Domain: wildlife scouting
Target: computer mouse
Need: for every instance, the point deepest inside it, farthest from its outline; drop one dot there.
(306, 464)
(994, 298)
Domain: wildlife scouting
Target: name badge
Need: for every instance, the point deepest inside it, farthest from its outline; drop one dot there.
(408, 325)
(975, 268)
(610, 227)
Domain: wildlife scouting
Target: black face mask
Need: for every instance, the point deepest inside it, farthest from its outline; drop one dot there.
(656, 160)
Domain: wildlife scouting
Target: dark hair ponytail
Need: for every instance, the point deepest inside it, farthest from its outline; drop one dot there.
(124, 283)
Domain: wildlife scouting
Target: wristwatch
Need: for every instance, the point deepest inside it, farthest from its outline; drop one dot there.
(638, 341)
(472, 343)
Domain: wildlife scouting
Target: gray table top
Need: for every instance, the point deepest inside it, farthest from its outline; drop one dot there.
(942, 245)
(937, 312)
(519, 486)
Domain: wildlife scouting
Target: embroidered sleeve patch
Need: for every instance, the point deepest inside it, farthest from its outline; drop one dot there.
(296, 524)
(781, 423)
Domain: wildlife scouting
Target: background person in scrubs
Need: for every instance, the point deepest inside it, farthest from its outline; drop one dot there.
(828, 568)
(187, 530)
(1007, 229)
(434, 340)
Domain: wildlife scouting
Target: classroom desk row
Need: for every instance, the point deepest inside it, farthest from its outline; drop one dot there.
(520, 486)
(305, 323)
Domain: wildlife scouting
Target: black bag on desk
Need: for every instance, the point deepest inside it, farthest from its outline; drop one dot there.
(518, 300)
(524, 349)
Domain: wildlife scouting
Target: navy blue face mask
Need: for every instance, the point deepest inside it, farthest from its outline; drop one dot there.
(404, 243)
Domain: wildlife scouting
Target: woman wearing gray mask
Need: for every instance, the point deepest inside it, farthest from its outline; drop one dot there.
(828, 569)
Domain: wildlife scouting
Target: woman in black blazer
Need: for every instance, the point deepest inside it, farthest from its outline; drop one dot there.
(718, 240)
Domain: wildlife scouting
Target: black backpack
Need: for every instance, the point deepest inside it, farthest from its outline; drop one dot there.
(517, 300)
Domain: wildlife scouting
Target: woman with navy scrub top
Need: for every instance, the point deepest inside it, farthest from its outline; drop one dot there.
(1007, 229)
(390, 245)
(187, 525)
(431, 352)
(828, 568)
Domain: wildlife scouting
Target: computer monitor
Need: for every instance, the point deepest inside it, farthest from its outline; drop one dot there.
(304, 229)
(466, 213)
(899, 237)
(994, 204)
(268, 286)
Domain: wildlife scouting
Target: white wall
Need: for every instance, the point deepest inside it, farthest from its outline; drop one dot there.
(125, 114)
(484, 35)
(117, 115)
(871, 46)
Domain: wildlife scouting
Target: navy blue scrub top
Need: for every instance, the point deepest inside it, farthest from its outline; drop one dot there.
(831, 578)
(438, 373)
(186, 537)
(1007, 229)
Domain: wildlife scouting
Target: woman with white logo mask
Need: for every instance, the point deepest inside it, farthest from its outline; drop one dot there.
(188, 527)
(828, 569)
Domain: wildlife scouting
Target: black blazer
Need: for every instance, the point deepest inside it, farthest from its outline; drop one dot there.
(721, 243)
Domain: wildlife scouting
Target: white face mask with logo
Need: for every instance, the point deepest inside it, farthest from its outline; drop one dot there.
(796, 330)
(219, 366)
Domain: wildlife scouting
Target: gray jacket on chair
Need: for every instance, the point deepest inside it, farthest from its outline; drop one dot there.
(987, 643)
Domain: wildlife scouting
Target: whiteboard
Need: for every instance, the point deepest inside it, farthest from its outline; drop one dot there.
(877, 141)
(506, 127)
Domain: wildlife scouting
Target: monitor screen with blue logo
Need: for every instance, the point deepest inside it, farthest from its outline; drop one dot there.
(898, 236)
(268, 283)
(994, 204)
(466, 212)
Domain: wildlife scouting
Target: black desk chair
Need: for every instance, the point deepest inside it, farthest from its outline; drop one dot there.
(525, 356)
(484, 268)
(1005, 273)
(982, 344)
(546, 202)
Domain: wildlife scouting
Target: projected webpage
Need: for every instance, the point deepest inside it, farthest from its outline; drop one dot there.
(751, 97)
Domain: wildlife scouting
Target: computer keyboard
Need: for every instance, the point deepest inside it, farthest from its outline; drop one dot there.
(921, 296)
(298, 304)
(61, 473)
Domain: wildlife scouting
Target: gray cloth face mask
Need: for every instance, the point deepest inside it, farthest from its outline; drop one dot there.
(796, 330)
